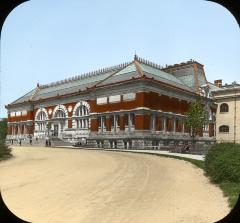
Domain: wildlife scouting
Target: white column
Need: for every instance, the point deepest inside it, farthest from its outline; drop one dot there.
(115, 123)
(101, 124)
(154, 122)
(164, 123)
(183, 128)
(174, 124)
(129, 122)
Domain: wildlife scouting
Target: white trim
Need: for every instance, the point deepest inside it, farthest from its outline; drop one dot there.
(60, 107)
(84, 103)
(41, 110)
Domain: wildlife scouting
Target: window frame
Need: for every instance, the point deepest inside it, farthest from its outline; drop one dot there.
(221, 130)
(222, 108)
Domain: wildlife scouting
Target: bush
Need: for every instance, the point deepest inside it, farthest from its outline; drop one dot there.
(5, 151)
(222, 163)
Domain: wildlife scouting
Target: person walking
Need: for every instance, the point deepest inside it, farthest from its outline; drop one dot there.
(20, 142)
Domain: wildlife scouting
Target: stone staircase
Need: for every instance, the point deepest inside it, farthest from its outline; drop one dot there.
(40, 143)
(59, 142)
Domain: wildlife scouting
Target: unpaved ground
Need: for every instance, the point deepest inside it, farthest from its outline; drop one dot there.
(65, 185)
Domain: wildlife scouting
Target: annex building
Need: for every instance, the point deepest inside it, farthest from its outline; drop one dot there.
(227, 97)
(137, 104)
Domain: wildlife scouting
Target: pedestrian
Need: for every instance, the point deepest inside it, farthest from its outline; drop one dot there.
(30, 141)
(37, 139)
(20, 142)
(46, 143)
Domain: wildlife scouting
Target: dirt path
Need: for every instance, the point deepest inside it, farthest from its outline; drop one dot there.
(64, 186)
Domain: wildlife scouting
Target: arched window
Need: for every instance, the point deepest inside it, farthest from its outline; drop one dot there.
(60, 114)
(41, 121)
(82, 111)
(224, 107)
(41, 116)
(82, 117)
(224, 128)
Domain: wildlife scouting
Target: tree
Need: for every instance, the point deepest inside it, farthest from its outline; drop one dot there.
(196, 118)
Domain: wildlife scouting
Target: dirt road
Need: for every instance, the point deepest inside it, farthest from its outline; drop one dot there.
(65, 185)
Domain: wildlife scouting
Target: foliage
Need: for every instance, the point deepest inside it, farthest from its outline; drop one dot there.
(223, 163)
(3, 129)
(5, 151)
(196, 118)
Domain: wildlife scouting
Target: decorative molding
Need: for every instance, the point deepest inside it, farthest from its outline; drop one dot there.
(60, 107)
(81, 103)
(41, 110)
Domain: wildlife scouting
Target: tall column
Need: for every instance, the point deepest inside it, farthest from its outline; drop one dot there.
(183, 128)
(164, 120)
(174, 124)
(154, 123)
(115, 123)
(101, 124)
(129, 122)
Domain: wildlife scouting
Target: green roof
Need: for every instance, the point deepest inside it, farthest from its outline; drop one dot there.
(128, 71)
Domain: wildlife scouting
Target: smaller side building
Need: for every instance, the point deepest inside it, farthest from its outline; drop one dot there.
(227, 98)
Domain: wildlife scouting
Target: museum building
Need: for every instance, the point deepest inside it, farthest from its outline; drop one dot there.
(137, 104)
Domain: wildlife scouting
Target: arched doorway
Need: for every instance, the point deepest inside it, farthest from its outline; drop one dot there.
(59, 121)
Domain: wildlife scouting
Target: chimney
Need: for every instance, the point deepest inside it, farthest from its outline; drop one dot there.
(218, 83)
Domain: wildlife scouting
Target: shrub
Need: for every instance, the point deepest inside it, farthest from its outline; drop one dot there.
(5, 151)
(222, 163)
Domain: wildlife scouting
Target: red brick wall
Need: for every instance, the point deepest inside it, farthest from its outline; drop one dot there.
(94, 125)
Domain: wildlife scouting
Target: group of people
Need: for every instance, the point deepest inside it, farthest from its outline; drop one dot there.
(19, 140)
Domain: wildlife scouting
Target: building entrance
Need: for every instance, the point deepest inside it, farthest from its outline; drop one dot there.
(55, 131)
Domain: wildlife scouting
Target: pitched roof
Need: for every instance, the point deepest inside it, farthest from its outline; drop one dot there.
(70, 85)
(138, 68)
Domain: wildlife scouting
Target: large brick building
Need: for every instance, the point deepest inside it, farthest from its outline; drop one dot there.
(136, 104)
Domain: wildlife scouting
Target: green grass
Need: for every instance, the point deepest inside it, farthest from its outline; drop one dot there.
(230, 189)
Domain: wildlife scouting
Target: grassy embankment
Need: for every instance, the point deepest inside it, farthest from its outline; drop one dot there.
(222, 166)
(5, 151)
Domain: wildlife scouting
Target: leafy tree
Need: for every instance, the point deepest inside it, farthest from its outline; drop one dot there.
(196, 118)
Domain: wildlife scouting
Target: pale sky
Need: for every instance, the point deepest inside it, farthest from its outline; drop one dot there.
(50, 40)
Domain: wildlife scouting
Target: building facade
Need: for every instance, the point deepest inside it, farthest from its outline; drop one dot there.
(138, 104)
(227, 97)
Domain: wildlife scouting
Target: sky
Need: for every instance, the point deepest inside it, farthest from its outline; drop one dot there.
(45, 41)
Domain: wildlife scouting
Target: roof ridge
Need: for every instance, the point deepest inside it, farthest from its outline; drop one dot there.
(127, 64)
(148, 62)
(139, 69)
(87, 75)
(37, 89)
